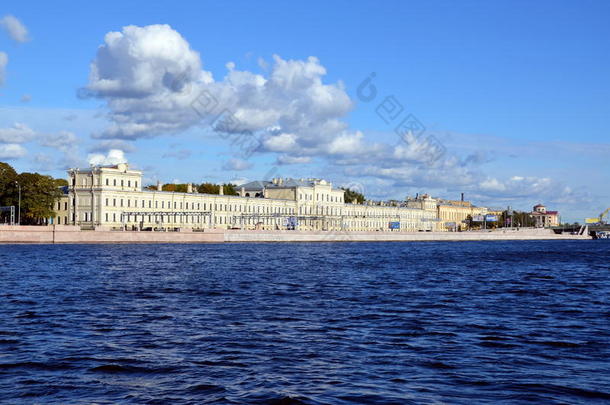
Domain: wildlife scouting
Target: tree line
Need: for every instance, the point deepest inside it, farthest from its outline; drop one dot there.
(203, 188)
(39, 194)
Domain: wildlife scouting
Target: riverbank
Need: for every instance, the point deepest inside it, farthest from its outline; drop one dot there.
(72, 235)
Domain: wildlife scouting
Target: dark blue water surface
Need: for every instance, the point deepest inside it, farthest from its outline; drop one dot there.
(335, 323)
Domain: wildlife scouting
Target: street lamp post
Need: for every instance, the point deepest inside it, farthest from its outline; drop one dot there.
(19, 204)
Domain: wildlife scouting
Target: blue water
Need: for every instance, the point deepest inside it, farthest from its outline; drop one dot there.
(336, 323)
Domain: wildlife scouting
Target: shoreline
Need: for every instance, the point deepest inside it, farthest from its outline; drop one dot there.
(67, 234)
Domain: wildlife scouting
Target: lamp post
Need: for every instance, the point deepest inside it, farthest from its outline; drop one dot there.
(19, 204)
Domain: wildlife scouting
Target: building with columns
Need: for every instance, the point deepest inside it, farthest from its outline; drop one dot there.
(113, 197)
(543, 218)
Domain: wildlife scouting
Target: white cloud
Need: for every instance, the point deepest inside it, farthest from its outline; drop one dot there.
(292, 160)
(281, 143)
(12, 151)
(238, 181)
(347, 144)
(3, 63)
(15, 28)
(18, 133)
(153, 83)
(237, 164)
(114, 156)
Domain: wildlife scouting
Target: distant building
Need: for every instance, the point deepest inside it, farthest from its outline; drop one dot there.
(113, 197)
(543, 218)
(455, 214)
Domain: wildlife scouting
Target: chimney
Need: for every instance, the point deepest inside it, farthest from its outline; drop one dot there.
(221, 189)
(189, 188)
(159, 186)
(243, 192)
(462, 197)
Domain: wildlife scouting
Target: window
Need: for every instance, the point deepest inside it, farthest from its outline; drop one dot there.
(128, 202)
(106, 202)
(114, 182)
(107, 182)
(128, 183)
(122, 183)
(136, 186)
(65, 206)
(106, 217)
(121, 202)
(114, 202)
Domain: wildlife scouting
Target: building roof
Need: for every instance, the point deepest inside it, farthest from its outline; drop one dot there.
(546, 213)
(285, 183)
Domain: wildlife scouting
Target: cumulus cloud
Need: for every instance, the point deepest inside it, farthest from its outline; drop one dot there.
(15, 28)
(18, 133)
(237, 165)
(113, 157)
(3, 63)
(11, 151)
(153, 83)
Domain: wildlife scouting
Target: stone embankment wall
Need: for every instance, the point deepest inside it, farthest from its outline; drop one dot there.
(72, 234)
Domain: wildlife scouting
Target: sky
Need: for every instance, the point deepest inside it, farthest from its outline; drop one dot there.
(505, 101)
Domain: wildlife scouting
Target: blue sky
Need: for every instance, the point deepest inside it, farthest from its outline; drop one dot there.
(515, 94)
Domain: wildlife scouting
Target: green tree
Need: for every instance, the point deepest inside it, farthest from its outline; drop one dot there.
(208, 188)
(38, 197)
(230, 189)
(350, 195)
(61, 182)
(8, 175)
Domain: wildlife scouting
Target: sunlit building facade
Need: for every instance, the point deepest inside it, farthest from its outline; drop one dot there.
(113, 197)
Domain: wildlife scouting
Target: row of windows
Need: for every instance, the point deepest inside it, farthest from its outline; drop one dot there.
(150, 219)
(329, 198)
(197, 206)
(114, 183)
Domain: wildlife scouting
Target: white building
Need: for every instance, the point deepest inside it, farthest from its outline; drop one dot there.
(113, 197)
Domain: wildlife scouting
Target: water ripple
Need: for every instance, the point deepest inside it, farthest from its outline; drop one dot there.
(306, 323)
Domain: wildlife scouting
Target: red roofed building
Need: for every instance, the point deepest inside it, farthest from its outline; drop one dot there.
(544, 218)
